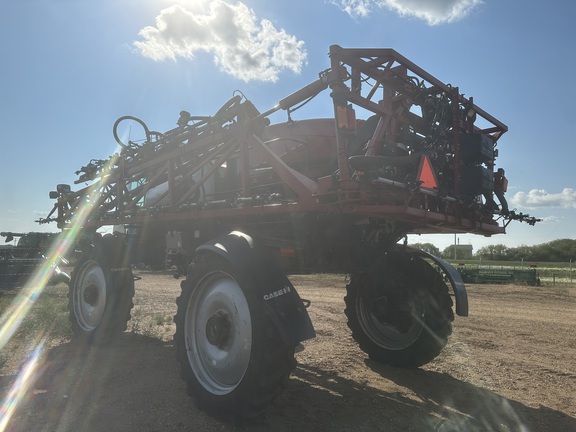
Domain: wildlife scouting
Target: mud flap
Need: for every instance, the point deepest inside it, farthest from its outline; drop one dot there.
(460, 295)
(276, 294)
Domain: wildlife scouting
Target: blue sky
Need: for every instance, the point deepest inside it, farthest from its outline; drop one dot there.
(70, 68)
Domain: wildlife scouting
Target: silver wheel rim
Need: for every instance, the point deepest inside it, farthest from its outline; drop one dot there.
(90, 296)
(218, 332)
(386, 335)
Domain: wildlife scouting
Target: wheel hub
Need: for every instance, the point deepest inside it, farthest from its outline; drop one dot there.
(91, 295)
(393, 311)
(218, 329)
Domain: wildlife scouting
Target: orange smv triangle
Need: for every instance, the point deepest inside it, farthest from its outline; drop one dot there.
(426, 175)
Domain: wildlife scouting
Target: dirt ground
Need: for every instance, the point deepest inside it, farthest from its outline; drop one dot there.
(509, 366)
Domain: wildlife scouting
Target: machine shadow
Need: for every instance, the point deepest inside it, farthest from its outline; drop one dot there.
(134, 385)
(465, 406)
(420, 400)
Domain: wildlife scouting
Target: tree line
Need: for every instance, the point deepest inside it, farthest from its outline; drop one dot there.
(561, 250)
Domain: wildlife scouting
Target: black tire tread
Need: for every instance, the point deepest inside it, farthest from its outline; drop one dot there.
(438, 316)
(109, 251)
(271, 362)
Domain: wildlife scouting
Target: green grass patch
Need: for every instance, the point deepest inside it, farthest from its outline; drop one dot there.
(150, 323)
(47, 316)
(46, 319)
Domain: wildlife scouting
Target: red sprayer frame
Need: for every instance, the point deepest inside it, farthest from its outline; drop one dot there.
(405, 163)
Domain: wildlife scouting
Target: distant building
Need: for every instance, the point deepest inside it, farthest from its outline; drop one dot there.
(463, 251)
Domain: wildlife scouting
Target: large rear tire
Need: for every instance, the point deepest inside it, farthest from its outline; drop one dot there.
(101, 291)
(399, 311)
(231, 356)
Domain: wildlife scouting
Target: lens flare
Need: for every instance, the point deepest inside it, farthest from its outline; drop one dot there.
(14, 315)
(21, 386)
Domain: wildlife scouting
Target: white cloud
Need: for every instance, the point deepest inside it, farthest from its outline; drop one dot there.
(550, 219)
(538, 198)
(242, 46)
(357, 8)
(432, 11)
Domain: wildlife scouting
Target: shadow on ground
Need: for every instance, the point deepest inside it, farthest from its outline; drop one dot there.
(134, 385)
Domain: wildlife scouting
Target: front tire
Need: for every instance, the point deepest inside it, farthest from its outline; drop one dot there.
(399, 311)
(231, 356)
(101, 291)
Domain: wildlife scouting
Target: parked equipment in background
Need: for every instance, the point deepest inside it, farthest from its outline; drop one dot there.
(500, 275)
(19, 263)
